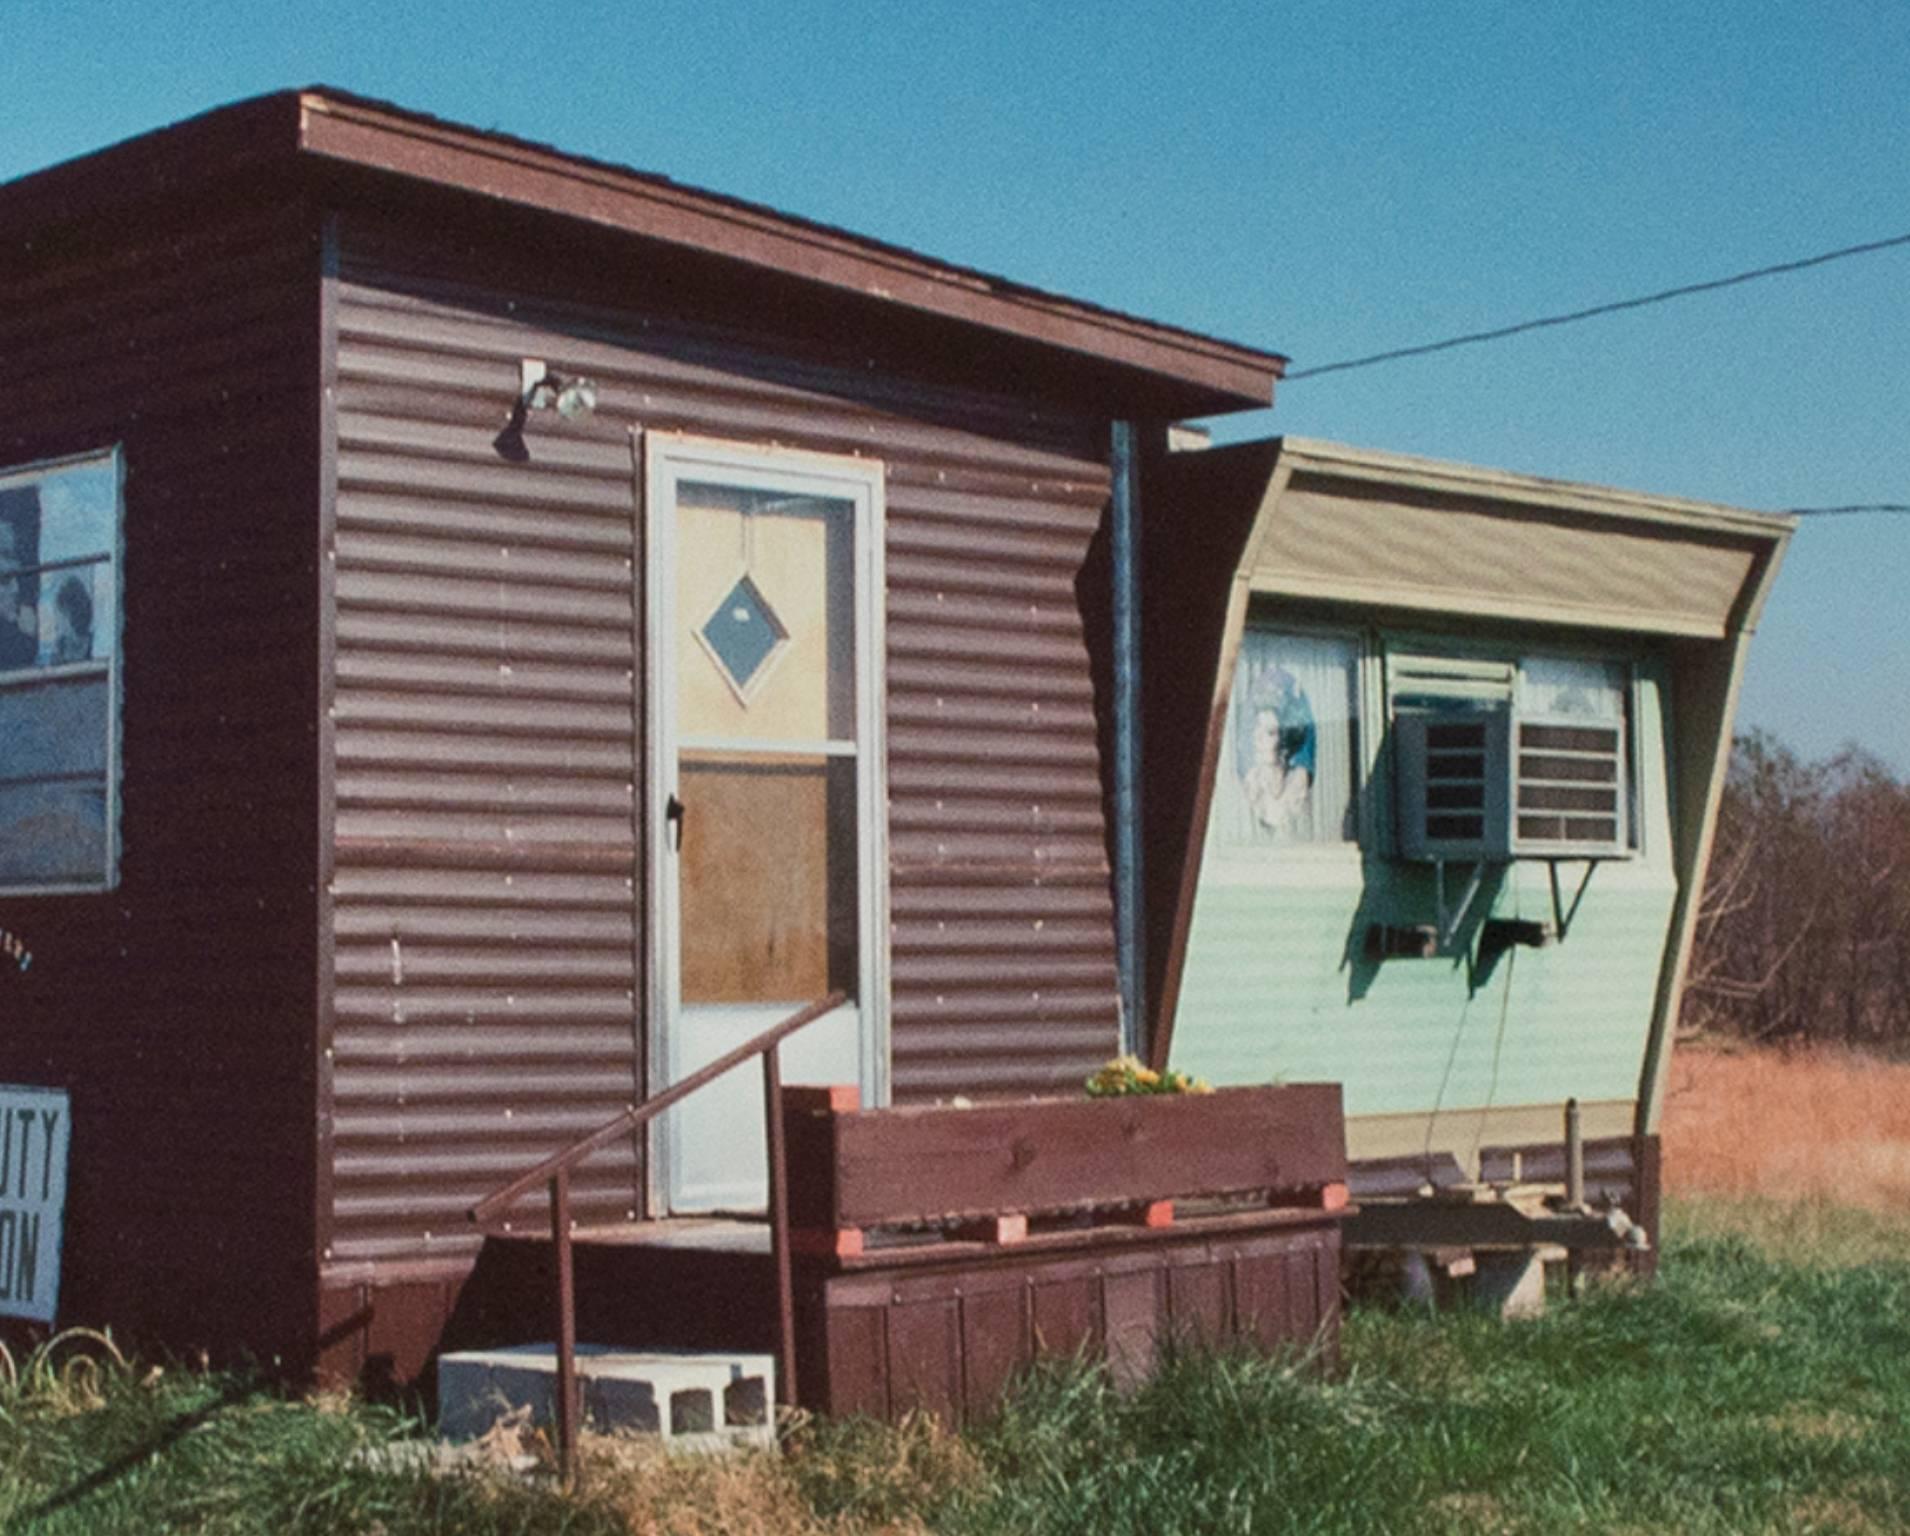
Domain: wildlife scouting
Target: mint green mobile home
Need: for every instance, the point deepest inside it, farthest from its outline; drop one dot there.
(1433, 761)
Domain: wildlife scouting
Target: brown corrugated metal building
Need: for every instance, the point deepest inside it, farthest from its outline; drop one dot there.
(385, 651)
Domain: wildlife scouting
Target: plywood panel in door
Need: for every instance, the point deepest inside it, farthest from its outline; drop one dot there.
(768, 894)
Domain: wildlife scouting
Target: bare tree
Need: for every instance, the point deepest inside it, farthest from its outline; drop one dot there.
(1804, 931)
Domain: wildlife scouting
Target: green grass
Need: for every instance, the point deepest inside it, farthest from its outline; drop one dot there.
(1760, 1386)
(1739, 1395)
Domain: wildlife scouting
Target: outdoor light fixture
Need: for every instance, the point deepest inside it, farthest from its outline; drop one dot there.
(542, 389)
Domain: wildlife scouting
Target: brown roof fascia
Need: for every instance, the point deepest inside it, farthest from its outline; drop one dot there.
(371, 135)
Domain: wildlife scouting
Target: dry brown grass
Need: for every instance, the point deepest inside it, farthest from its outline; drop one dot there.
(1821, 1126)
(852, 1479)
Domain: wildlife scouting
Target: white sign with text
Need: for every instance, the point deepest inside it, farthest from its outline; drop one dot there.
(35, 1127)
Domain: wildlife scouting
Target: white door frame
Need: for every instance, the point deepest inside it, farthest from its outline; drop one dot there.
(670, 458)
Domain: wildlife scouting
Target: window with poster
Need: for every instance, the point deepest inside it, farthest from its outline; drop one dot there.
(59, 674)
(1495, 754)
(1290, 762)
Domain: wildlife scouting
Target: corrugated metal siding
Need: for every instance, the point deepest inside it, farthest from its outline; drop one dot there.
(489, 750)
(178, 1008)
(484, 719)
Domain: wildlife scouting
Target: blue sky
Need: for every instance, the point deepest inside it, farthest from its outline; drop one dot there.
(1327, 178)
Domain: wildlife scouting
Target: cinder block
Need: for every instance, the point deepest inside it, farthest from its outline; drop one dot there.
(1511, 1284)
(689, 1399)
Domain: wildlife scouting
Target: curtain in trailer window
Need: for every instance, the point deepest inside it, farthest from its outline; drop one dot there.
(1289, 764)
(1570, 688)
(59, 606)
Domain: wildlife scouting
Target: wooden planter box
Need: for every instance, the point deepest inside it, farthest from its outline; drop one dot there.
(853, 1169)
(941, 1249)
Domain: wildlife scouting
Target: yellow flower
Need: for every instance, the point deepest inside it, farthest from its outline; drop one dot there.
(1130, 1075)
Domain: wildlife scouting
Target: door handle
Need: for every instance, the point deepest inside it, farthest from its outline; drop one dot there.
(673, 818)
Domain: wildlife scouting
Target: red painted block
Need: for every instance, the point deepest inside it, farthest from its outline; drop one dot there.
(1156, 1213)
(826, 1243)
(1321, 1197)
(832, 1099)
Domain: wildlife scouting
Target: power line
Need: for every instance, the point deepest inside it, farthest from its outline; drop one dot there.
(1867, 506)
(1684, 291)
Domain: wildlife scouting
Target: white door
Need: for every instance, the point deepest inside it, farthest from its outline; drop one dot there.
(766, 866)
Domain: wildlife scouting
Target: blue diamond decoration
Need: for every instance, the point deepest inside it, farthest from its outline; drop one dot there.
(743, 632)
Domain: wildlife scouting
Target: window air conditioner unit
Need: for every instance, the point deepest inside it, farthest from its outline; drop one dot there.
(1483, 784)
(1454, 783)
(1568, 789)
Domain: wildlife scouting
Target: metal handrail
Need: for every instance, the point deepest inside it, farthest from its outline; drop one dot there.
(555, 1170)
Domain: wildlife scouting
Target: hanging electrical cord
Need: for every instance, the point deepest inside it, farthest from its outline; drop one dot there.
(1452, 1057)
(1445, 1077)
(1664, 295)
(1498, 1051)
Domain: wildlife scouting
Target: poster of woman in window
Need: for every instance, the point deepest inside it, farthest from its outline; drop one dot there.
(1291, 730)
(1276, 749)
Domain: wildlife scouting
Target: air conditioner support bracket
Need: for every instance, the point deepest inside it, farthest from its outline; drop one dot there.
(1562, 915)
(1450, 919)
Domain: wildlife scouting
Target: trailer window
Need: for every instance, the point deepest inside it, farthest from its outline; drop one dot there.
(1503, 757)
(1290, 761)
(59, 675)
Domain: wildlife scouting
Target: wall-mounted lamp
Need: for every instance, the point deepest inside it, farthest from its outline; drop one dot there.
(540, 388)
